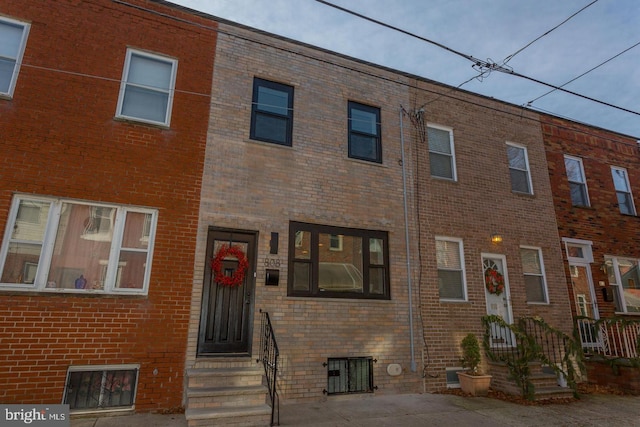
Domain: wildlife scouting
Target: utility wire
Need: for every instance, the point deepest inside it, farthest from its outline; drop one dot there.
(510, 57)
(478, 64)
(586, 72)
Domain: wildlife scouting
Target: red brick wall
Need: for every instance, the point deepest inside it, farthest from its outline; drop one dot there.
(611, 232)
(623, 378)
(59, 138)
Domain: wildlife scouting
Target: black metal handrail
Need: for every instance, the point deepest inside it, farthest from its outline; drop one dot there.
(269, 357)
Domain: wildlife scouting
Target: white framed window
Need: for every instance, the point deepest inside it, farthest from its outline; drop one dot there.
(623, 190)
(13, 40)
(442, 157)
(624, 278)
(63, 245)
(577, 181)
(335, 242)
(578, 251)
(534, 277)
(101, 388)
(146, 91)
(519, 169)
(452, 283)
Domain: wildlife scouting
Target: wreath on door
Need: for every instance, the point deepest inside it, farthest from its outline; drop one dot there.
(237, 277)
(493, 281)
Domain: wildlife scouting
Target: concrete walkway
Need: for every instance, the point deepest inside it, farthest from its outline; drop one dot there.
(424, 410)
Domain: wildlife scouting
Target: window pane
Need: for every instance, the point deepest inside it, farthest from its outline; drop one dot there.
(21, 262)
(450, 284)
(6, 73)
(301, 276)
(149, 72)
(376, 252)
(519, 181)
(271, 127)
(439, 140)
(630, 279)
(82, 246)
(302, 245)
(448, 254)
(534, 287)
(364, 146)
(10, 39)
(530, 261)
(363, 121)
(340, 270)
(578, 194)
(376, 280)
(625, 203)
(574, 171)
(441, 165)
(136, 230)
(516, 157)
(273, 101)
(131, 269)
(620, 180)
(145, 104)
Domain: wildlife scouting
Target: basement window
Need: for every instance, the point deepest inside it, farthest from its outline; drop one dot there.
(99, 388)
(349, 375)
(452, 377)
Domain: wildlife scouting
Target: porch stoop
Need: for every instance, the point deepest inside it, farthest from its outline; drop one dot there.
(545, 385)
(227, 392)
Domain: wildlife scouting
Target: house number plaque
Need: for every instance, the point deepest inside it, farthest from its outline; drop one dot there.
(272, 262)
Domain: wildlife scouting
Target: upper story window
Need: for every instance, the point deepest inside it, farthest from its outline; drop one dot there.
(272, 112)
(519, 169)
(337, 262)
(73, 246)
(441, 152)
(577, 181)
(624, 278)
(146, 92)
(13, 39)
(451, 274)
(534, 278)
(623, 190)
(364, 133)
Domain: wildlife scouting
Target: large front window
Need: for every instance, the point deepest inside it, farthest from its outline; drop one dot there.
(337, 262)
(624, 278)
(72, 246)
(146, 93)
(13, 38)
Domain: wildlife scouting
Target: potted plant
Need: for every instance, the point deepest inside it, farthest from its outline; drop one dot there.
(472, 380)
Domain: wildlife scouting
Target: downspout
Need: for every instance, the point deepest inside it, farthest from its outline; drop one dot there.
(414, 367)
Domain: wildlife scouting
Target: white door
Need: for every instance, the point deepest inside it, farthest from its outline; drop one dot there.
(496, 291)
(585, 303)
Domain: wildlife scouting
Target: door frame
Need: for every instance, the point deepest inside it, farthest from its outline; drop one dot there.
(250, 277)
(510, 340)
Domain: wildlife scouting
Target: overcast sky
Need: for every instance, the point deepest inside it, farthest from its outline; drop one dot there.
(489, 30)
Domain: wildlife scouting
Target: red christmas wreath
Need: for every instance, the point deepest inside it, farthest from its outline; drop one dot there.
(494, 281)
(216, 265)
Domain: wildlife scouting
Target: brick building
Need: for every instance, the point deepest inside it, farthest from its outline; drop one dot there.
(103, 137)
(593, 176)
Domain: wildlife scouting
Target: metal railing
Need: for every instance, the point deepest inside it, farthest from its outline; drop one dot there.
(610, 338)
(269, 357)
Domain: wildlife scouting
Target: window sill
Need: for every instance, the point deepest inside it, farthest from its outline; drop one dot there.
(519, 193)
(622, 313)
(537, 303)
(366, 162)
(69, 292)
(455, 301)
(133, 121)
(268, 144)
(6, 97)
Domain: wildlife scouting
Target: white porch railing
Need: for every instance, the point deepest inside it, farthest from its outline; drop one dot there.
(613, 338)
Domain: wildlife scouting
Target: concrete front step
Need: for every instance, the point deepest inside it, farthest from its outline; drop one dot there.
(550, 393)
(215, 397)
(242, 416)
(224, 377)
(544, 380)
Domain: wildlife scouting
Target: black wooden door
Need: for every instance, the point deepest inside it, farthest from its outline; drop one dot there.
(226, 313)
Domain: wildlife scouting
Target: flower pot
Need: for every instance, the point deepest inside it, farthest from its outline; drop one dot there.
(476, 385)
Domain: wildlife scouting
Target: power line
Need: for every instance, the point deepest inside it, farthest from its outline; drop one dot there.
(510, 57)
(586, 72)
(478, 64)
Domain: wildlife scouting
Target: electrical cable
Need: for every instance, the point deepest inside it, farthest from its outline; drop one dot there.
(479, 64)
(510, 57)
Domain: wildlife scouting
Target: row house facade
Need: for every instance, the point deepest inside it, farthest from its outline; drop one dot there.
(194, 177)
(103, 132)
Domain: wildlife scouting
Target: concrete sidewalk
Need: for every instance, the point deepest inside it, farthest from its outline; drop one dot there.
(413, 410)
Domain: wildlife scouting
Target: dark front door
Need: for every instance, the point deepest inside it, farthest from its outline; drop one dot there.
(227, 303)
